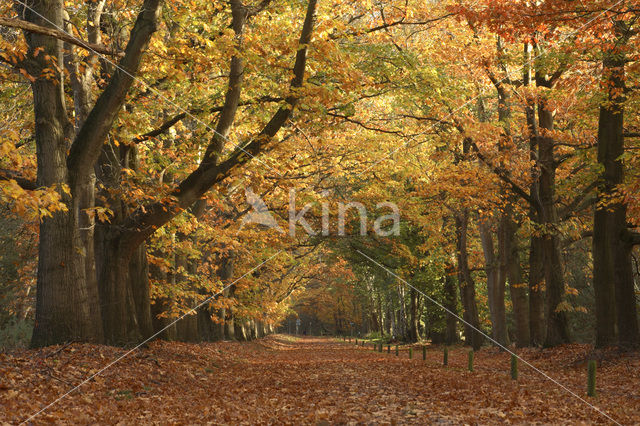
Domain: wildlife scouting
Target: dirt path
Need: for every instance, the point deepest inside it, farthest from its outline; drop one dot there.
(281, 380)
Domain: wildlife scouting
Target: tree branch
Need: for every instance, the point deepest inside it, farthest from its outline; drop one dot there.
(24, 183)
(87, 146)
(582, 201)
(143, 222)
(60, 35)
(498, 171)
(169, 123)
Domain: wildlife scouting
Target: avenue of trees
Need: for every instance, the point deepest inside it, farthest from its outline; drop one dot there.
(134, 133)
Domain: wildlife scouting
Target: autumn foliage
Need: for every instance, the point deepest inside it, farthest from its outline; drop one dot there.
(196, 171)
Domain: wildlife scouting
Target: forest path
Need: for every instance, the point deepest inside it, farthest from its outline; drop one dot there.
(287, 380)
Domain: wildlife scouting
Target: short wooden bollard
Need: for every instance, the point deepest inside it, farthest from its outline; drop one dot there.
(356, 341)
(388, 349)
(410, 352)
(397, 353)
(591, 378)
(424, 353)
(375, 347)
(470, 363)
(380, 348)
(445, 357)
(514, 367)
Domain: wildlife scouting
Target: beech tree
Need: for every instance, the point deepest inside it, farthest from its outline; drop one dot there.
(70, 300)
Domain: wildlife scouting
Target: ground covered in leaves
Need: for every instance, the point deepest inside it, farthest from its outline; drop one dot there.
(285, 380)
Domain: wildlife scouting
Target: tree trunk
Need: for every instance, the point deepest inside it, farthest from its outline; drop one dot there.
(517, 287)
(536, 292)
(612, 262)
(159, 308)
(240, 330)
(118, 306)
(229, 326)
(259, 329)
(187, 329)
(413, 315)
(381, 311)
(495, 286)
(451, 303)
(139, 282)
(507, 244)
(64, 304)
(537, 329)
(557, 325)
(467, 286)
(401, 313)
(205, 324)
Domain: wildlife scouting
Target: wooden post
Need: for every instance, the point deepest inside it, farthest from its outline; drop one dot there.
(397, 350)
(470, 363)
(410, 352)
(514, 367)
(388, 349)
(445, 357)
(356, 341)
(591, 378)
(424, 353)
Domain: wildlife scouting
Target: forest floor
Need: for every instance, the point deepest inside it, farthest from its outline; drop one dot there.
(286, 380)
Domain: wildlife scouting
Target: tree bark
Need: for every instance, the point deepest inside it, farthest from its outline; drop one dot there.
(536, 292)
(513, 270)
(612, 264)
(119, 315)
(451, 303)
(64, 305)
(495, 286)
(467, 286)
(557, 323)
(537, 328)
(139, 283)
(413, 315)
